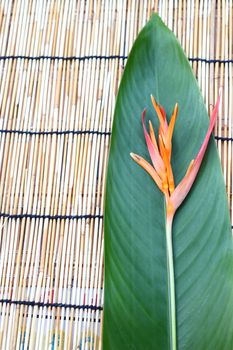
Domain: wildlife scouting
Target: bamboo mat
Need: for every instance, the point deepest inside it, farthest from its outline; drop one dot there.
(60, 66)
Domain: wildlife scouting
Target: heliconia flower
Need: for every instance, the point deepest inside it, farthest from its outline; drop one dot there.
(160, 154)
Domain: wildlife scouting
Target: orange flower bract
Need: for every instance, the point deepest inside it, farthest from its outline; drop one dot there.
(161, 151)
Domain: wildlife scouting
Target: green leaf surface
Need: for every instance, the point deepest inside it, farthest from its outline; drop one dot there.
(136, 313)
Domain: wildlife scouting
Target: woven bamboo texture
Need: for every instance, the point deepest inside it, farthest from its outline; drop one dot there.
(60, 67)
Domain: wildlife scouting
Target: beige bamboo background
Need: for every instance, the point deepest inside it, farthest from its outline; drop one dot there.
(55, 122)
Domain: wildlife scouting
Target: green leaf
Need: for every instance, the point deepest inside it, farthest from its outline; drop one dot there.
(136, 314)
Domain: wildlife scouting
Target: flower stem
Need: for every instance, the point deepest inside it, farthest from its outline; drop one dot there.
(171, 283)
